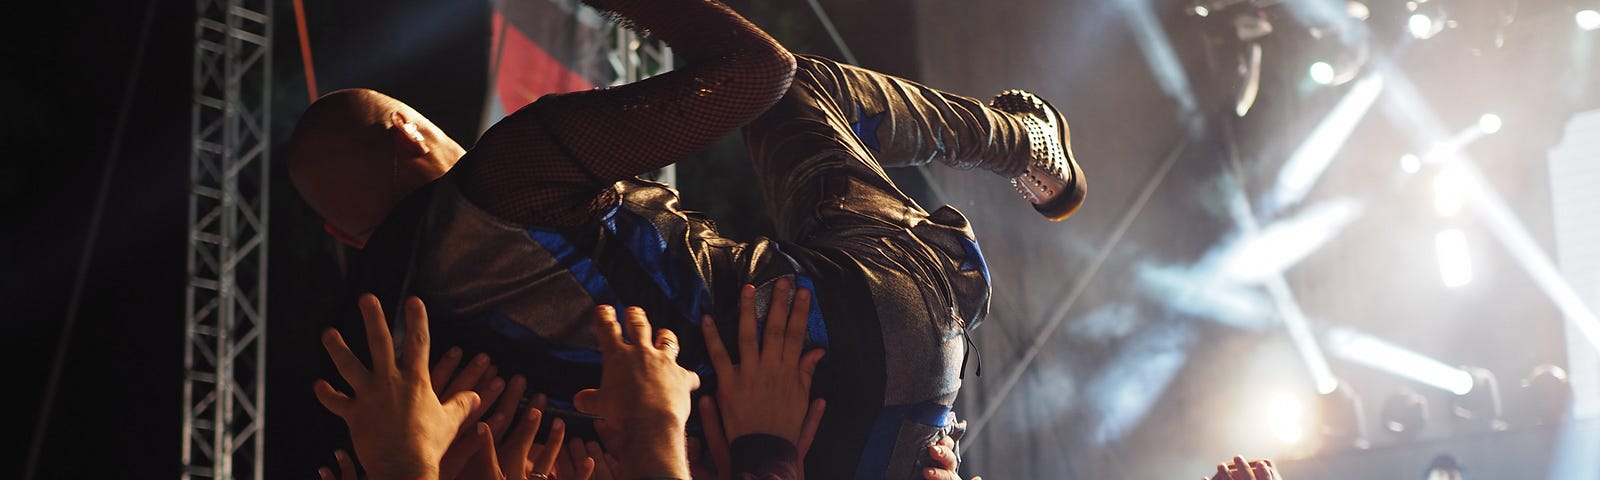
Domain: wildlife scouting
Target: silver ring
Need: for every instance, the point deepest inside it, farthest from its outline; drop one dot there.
(670, 345)
(539, 476)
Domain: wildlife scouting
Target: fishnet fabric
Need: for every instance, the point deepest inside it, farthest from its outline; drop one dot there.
(554, 161)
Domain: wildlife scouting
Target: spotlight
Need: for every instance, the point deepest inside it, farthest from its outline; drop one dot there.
(1455, 263)
(1405, 414)
(1427, 19)
(1548, 393)
(1410, 163)
(1479, 407)
(1322, 73)
(1357, 10)
(1449, 192)
(1587, 19)
(1201, 11)
(1341, 48)
(1489, 123)
(1344, 421)
(1286, 418)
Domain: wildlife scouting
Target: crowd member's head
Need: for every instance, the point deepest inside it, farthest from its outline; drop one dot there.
(356, 152)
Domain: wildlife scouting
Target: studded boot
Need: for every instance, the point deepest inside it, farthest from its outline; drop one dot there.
(1053, 181)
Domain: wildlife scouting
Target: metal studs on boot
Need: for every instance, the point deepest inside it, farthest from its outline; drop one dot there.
(1053, 181)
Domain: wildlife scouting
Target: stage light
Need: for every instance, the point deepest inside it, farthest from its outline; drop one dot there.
(1455, 262)
(1201, 11)
(1357, 10)
(1286, 418)
(1410, 163)
(1322, 73)
(1449, 192)
(1427, 19)
(1374, 352)
(1489, 123)
(1479, 407)
(1343, 419)
(1589, 20)
(1308, 162)
(1548, 393)
(1405, 414)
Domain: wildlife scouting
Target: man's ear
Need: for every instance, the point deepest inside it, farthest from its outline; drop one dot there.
(408, 134)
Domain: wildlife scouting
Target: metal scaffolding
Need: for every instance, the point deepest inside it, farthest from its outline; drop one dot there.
(633, 59)
(224, 358)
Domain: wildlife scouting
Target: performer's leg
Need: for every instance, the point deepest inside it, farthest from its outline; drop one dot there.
(904, 123)
(900, 284)
(553, 162)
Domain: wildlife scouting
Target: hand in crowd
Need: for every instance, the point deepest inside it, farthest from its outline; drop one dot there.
(644, 396)
(579, 459)
(945, 463)
(1239, 469)
(398, 425)
(769, 390)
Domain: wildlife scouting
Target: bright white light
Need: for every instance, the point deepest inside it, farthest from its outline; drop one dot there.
(1421, 26)
(1357, 10)
(1449, 192)
(1489, 123)
(1455, 262)
(1272, 249)
(1322, 72)
(1374, 352)
(1588, 19)
(1410, 163)
(1311, 158)
(1202, 11)
(1285, 415)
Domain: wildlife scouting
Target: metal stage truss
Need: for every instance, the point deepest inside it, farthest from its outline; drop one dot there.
(224, 388)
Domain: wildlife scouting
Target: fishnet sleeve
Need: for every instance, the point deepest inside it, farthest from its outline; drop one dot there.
(554, 161)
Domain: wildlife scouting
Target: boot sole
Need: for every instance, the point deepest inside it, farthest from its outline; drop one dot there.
(1069, 202)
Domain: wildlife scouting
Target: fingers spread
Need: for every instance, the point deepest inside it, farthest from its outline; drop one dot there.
(719, 354)
(552, 447)
(668, 342)
(777, 320)
(333, 400)
(415, 359)
(444, 368)
(521, 440)
(377, 326)
(749, 349)
(349, 366)
(638, 325)
(607, 333)
(795, 329)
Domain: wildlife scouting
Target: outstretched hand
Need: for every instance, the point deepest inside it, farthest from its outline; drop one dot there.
(944, 459)
(399, 426)
(769, 390)
(644, 396)
(1239, 469)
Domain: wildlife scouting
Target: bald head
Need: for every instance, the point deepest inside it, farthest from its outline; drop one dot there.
(355, 153)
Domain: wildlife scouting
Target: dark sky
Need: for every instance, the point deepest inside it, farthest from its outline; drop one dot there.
(116, 405)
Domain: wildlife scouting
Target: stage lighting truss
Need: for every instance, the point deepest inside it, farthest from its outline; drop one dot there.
(1480, 407)
(1405, 414)
(1343, 419)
